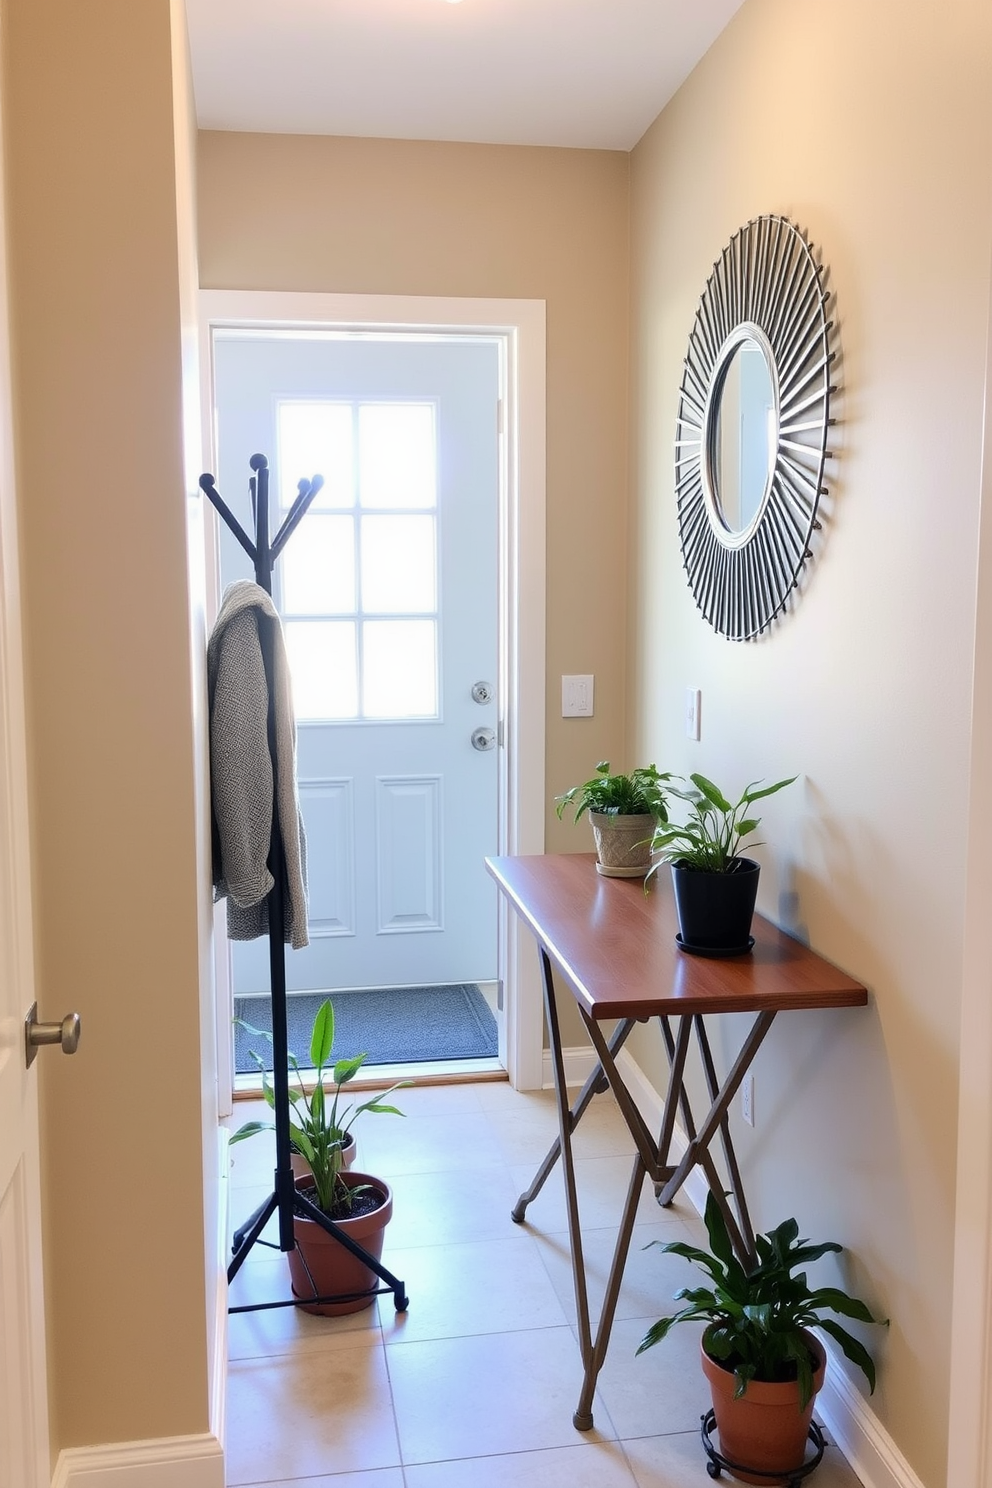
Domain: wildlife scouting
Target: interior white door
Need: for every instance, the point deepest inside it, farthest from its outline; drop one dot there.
(389, 594)
(23, 1403)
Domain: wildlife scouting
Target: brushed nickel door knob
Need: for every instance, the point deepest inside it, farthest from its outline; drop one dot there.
(36, 1034)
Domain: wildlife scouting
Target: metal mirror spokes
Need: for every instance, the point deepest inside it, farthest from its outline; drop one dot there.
(753, 416)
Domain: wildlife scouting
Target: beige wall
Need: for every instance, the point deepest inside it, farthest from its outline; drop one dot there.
(869, 126)
(399, 217)
(95, 294)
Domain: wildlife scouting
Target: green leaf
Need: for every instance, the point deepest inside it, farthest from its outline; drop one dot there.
(769, 790)
(346, 1069)
(250, 1129)
(712, 793)
(716, 1229)
(303, 1142)
(855, 1351)
(255, 1032)
(797, 1350)
(655, 1333)
(743, 1374)
(839, 1301)
(322, 1039)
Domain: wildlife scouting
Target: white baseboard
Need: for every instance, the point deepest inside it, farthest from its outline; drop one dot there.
(857, 1431)
(849, 1420)
(170, 1462)
(218, 1381)
(579, 1065)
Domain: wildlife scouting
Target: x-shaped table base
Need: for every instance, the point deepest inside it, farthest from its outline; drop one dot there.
(652, 1156)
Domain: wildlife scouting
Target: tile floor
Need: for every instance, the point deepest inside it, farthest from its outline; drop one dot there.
(473, 1387)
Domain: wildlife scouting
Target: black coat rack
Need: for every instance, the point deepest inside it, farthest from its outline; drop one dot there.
(285, 1198)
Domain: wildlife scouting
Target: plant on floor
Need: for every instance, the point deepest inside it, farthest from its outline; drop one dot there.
(319, 1125)
(757, 1317)
(639, 793)
(710, 841)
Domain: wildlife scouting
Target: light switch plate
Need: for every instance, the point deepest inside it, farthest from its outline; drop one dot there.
(577, 696)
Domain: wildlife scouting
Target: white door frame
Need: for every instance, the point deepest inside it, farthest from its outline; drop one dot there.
(22, 1300)
(520, 325)
(969, 1463)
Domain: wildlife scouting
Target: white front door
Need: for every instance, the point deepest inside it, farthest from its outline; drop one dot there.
(389, 593)
(24, 1461)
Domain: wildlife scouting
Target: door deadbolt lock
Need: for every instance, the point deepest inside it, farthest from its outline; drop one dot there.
(482, 692)
(483, 739)
(36, 1034)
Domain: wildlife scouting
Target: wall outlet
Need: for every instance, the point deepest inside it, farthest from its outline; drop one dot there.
(747, 1099)
(693, 702)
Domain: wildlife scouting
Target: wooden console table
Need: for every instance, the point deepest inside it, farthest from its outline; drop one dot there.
(614, 947)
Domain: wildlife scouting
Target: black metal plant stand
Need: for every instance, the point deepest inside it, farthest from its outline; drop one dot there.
(285, 1198)
(792, 1479)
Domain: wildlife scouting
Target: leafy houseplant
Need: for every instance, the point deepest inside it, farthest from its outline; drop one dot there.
(359, 1204)
(715, 886)
(319, 1128)
(624, 811)
(757, 1336)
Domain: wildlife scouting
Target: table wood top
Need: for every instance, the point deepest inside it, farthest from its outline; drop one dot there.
(615, 947)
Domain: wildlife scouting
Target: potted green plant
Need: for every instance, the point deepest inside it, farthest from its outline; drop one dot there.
(763, 1364)
(301, 1167)
(715, 887)
(320, 1129)
(624, 811)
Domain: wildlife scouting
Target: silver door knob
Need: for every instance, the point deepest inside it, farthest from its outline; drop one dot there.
(483, 739)
(36, 1034)
(482, 692)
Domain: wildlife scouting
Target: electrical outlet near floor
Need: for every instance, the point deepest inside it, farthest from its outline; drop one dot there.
(747, 1099)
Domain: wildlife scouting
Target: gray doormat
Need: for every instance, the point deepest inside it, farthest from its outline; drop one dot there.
(407, 1025)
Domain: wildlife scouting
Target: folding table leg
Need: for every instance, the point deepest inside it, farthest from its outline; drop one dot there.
(582, 1419)
(595, 1085)
(697, 1151)
(568, 1173)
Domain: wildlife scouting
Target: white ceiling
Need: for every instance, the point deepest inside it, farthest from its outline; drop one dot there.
(578, 73)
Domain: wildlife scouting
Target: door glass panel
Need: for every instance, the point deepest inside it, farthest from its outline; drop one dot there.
(398, 565)
(400, 669)
(396, 454)
(318, 567)
(323, 663)
(316, 438)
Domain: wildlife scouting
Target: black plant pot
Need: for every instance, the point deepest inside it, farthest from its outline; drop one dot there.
(715, 909)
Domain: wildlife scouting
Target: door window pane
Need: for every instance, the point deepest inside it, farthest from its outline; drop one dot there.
(316, 439)
(400, 669)
(323, 662)
(398, 567)
(318, 567)
(396, 454)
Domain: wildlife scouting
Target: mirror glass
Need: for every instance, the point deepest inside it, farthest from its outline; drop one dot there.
(743, 436)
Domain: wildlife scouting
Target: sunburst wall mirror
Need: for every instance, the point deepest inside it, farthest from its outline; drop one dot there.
(754, 411)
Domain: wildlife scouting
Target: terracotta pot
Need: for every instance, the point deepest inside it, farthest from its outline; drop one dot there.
(623, 844)
(301, 1168)
(764, 1430)
(336, 1271)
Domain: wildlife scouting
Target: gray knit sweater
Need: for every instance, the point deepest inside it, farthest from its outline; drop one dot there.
(241, 768)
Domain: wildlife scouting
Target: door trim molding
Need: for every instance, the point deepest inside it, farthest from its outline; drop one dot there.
(521, 327)
(969, 1461)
